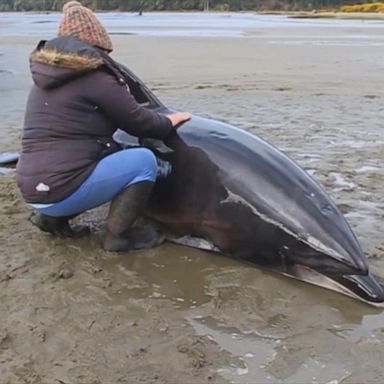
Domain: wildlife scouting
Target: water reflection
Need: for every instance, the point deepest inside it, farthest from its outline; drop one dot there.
(279, 330)
(173, 272)
(190, 24)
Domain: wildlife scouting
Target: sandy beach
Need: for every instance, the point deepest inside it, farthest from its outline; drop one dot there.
(71, 313)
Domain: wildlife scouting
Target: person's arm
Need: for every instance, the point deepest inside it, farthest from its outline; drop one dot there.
(116, 102)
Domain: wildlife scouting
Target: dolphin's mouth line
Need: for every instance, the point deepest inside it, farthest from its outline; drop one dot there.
(309, 275)
(306, 239)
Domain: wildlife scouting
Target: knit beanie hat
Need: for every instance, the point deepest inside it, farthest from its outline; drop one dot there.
(80, 22)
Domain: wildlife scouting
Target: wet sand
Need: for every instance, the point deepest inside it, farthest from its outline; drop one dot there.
(71, 313)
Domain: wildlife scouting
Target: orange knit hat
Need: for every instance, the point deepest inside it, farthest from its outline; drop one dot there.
(80, 22)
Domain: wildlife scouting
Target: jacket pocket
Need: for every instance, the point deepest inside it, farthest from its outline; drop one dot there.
(107, 147)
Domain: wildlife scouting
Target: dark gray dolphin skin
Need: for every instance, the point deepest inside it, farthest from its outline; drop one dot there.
(252, 202)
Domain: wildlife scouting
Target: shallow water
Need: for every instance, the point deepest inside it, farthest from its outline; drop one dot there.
(190, 24)
(73, 313)
(277, 330)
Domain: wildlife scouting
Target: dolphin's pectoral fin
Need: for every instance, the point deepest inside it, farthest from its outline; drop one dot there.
(194, 242)
(191, 230)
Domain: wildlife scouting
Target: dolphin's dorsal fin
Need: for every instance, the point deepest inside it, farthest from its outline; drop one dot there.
(157, 146)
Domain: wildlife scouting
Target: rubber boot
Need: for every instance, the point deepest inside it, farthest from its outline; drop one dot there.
(124, 210)
(58, 225)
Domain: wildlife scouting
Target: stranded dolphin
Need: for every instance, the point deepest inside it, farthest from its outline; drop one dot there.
(225, 189)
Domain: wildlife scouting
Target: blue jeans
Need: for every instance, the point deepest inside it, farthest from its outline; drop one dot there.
(112, 175)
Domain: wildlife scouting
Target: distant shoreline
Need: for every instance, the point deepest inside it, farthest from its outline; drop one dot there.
(290, 14)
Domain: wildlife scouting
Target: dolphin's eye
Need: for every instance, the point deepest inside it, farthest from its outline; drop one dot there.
(326, 208)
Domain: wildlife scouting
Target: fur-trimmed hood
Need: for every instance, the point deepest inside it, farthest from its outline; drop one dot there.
(63, 59)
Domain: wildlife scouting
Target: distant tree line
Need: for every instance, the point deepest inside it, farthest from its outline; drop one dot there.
(162, 5)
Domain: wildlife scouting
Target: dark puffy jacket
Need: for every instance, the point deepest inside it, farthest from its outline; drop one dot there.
(78, 101)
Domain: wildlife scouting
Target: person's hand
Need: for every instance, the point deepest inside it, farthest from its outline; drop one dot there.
(179, 118)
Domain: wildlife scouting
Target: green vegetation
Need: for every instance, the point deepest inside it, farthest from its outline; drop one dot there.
(162, 5)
